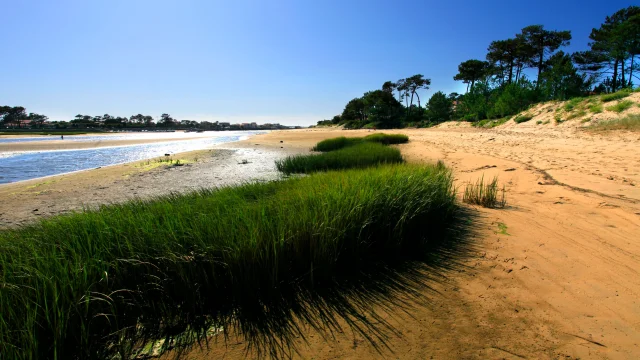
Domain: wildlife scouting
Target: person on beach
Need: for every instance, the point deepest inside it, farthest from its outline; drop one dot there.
(61, 137)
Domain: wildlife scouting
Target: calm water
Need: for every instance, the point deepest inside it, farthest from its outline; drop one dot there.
(117, 136)
(30, 165)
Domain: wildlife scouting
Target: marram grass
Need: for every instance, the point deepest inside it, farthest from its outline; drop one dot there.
(257, 258)
(336, 143)
(487, 195)
(342, 142)
(387, 139)
(360, 155)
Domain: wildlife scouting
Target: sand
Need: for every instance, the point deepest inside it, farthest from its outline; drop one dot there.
(58, 144)
(554, 275)
(225, 165)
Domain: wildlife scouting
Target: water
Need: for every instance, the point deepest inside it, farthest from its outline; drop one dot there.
(123, 136)
(31, 165)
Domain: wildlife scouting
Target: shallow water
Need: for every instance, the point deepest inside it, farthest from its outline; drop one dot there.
(31, 165)
(117, 136)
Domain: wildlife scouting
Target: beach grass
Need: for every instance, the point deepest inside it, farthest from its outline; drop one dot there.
(485, 194)
(621, 106)
(387, 139)
(360, 155)
(572, 104)
(336, 143)
(578, 114)
(489, 123)
(255, 259)
(522, 118)
(342, 142)
(595, 108)
(629, 123)
(615, 96)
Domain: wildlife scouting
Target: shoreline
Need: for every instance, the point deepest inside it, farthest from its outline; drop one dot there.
(223, 165)
(46, 147)
(59, 145)
(35, 134)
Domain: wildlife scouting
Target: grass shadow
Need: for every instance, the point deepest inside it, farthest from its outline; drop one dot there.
(358, 300)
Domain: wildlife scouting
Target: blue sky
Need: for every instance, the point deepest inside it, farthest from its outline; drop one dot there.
(293, 62)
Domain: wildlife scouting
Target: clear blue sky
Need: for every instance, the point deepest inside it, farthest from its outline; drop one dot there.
(293, 62)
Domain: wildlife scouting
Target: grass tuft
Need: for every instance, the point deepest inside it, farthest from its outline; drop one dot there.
(342, 142)
(488, 123)
(256, 259)
(336, 143)
(387, 139)
(576, 115)
(357, 156)
(615, 96)
(595, 108)
(523, 118)
(621, 106)
(485, 194)
(572, 104)
(629, 123)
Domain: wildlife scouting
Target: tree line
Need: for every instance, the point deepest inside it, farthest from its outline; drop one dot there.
(498, 86)
(16, 116)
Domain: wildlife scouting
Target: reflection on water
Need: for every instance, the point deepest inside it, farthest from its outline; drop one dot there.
(23, 166)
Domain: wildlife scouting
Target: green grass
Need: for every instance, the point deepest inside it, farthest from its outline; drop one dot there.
(258, 259)
(595, 108)
(502, 228)
(576, 115)
(485, 194)
(387, 139)
(488, 123)
(621, 106)
(572, 104)
(356, 156)
(615, 96)
(523, 118)
(538, 122)
(629, 123)
(342, 142)
(336, 143)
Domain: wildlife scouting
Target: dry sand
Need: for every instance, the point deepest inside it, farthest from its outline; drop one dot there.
(560, 282)
(556, 275)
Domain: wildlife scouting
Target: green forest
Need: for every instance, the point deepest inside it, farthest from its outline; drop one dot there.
(498, 86)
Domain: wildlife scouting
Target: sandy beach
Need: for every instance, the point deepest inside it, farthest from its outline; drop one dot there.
(554, 275)
(46, 145)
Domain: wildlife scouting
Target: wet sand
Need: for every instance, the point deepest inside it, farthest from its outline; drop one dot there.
(26, 201)
(555, 275)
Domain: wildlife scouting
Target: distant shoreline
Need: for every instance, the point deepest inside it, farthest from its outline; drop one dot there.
(50, 145)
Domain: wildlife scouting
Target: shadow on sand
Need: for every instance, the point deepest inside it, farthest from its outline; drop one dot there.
(277, 321)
